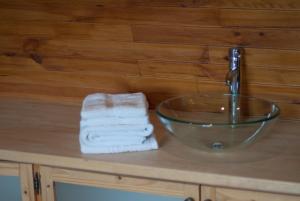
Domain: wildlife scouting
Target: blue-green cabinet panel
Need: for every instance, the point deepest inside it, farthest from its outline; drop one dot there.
(70, 192)
(10, 189)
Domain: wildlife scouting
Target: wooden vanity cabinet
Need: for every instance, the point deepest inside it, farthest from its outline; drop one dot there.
(49, 176)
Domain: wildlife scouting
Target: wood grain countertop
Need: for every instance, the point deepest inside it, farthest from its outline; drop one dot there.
(47, 133)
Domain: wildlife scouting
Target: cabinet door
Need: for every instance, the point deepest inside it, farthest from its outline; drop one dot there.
(16, 182)
(82, 185)
(227, 194)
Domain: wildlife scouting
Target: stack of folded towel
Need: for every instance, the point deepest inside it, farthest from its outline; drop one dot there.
(113, 123)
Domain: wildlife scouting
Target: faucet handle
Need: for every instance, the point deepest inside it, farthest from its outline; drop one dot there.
(234, 52)
(234, 58)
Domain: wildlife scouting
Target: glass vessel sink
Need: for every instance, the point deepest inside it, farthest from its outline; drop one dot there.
(216, 122)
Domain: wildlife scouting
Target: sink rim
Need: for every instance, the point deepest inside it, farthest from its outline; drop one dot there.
(271, 115)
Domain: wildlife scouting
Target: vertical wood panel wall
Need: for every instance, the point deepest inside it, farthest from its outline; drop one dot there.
(63, 50)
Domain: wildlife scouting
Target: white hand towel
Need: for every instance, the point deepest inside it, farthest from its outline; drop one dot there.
(142, 120)
(101, 105)
(149, 144)
(99, 140)
(116, 130)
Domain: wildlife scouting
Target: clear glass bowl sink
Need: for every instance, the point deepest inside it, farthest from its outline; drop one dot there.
(216, 122)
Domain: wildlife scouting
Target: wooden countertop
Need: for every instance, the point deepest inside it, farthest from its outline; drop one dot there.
(47, 134)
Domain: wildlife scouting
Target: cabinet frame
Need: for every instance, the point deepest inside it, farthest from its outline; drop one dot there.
(50, 175)
(25, 172)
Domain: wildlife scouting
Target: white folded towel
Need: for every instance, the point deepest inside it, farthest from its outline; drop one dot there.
(116, 130)
(113, 121)
(99, 140)
(149, 144)
(101, 105)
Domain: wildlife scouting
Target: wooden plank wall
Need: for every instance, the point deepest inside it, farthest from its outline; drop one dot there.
(62, 50)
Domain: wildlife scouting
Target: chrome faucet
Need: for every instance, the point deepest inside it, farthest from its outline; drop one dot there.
(233, 75)
(233, 81)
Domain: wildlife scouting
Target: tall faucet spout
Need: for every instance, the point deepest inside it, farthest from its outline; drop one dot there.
(233, 75)
(233, 81)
